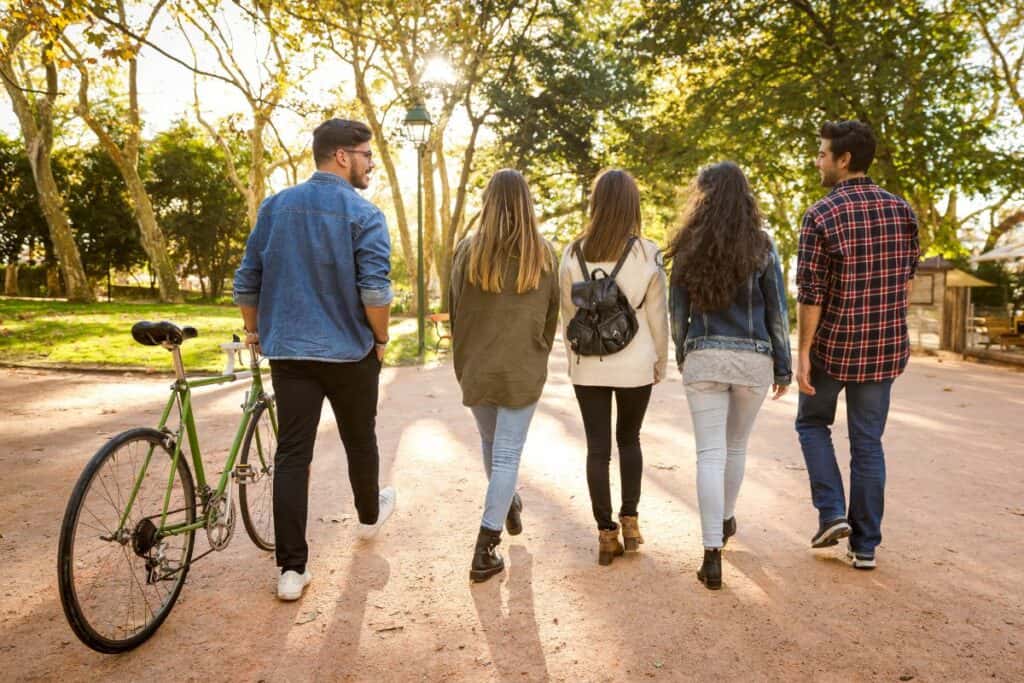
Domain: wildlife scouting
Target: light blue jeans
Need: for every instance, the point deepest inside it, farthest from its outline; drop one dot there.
(502, 435)
(723, 416)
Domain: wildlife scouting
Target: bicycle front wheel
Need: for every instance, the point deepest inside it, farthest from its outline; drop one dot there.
(118, 573)
(256, 483)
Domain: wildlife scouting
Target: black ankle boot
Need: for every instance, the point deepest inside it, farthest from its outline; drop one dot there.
(710, 573)
(486, 560)
(728, 529)
(513, 521)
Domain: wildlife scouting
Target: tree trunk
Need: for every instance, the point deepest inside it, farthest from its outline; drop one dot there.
(381, 140)
(152, 237)
(64, 247)
(453, 219)
(11, 280)
(404, 237)
(53, 288)
(257, 170)
(36, 122)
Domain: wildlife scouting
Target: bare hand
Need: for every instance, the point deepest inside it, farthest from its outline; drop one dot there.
(254, 338)
(380, 349)
(803, 376)
(779, 390)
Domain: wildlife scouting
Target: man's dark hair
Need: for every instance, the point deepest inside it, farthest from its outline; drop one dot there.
(854, 137)
(335, 133)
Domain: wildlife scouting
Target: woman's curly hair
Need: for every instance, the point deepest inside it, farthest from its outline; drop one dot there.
(721, 240)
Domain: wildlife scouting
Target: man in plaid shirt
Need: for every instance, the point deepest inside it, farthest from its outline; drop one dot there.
(858, 255)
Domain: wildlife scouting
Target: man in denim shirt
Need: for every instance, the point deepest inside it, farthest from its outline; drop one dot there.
(314, 293)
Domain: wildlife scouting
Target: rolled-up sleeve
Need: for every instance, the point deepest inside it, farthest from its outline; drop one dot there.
(373, 261)
(249, 275)
(812, 263)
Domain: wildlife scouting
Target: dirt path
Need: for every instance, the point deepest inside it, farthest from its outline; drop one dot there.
(947, 602)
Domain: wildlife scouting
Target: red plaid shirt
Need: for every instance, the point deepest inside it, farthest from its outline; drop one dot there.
(858, 250)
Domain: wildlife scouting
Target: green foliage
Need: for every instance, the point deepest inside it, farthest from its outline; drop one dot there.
(560, 121)
(97, 203)
(754, 81)
(201, 212)
(20, 217)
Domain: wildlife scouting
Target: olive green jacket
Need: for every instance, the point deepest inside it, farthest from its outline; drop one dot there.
(501, 342)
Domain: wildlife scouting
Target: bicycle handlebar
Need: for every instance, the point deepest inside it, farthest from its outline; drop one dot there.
(231, 349)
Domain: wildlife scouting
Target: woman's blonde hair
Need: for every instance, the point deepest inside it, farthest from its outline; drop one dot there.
(508, 230)
(614, 216)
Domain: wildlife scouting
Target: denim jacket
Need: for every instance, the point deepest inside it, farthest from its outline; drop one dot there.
(319, 253)
(757, 320)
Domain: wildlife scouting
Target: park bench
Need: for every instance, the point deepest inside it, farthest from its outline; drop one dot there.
(998, 331)
(440, 320)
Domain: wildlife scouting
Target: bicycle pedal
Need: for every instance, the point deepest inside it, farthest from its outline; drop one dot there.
(242, 473)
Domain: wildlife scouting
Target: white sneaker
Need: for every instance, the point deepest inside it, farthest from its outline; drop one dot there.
(388, 498)
(291, 584)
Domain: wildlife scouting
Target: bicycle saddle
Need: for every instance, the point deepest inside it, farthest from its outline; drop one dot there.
(154, 334)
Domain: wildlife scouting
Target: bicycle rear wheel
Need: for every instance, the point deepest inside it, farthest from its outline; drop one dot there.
(119, 582)
(256, 487)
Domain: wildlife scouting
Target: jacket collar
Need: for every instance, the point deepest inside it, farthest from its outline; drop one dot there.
(325, 177)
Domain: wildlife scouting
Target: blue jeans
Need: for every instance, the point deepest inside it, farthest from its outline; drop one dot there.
(867, 407)
(502, 435)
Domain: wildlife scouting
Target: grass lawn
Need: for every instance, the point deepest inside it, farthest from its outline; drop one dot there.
(60, 333)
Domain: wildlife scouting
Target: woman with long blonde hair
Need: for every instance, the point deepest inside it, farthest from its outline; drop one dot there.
(504, 311)
(612, 241)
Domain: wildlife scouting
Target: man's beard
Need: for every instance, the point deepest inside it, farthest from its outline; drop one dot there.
(829, 178)
(361, 180)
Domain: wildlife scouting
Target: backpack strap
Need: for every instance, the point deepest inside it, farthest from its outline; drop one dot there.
(622, 259)
(583, 264)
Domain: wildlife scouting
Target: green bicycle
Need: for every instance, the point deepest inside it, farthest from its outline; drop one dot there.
(129, 529)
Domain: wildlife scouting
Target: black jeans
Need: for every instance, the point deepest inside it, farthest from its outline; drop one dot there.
(596, 407)
(300, 387)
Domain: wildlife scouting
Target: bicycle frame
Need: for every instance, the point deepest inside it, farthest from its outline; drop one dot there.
(181, 396)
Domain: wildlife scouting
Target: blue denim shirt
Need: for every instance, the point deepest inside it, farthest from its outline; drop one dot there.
(757, 320)
(319, 253)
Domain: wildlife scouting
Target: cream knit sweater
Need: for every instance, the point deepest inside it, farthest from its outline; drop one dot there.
(644, 359)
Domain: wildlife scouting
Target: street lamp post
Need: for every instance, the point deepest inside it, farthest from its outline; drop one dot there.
(417, 128)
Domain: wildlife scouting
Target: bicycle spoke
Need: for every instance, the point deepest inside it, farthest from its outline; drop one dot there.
(257, 493)
(109, 531)
(112, 564)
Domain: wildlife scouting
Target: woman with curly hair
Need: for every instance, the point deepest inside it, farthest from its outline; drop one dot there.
(727, 304)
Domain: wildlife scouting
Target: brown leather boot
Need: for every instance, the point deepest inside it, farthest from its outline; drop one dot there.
(608, 546)
(631, 532)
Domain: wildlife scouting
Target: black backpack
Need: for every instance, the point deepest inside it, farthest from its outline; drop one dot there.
(604, 322)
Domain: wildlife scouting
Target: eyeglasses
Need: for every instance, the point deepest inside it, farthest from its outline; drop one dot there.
(368, 155)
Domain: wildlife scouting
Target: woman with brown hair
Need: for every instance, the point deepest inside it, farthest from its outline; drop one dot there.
(612, 236)
(729, 322)
(504, 311)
